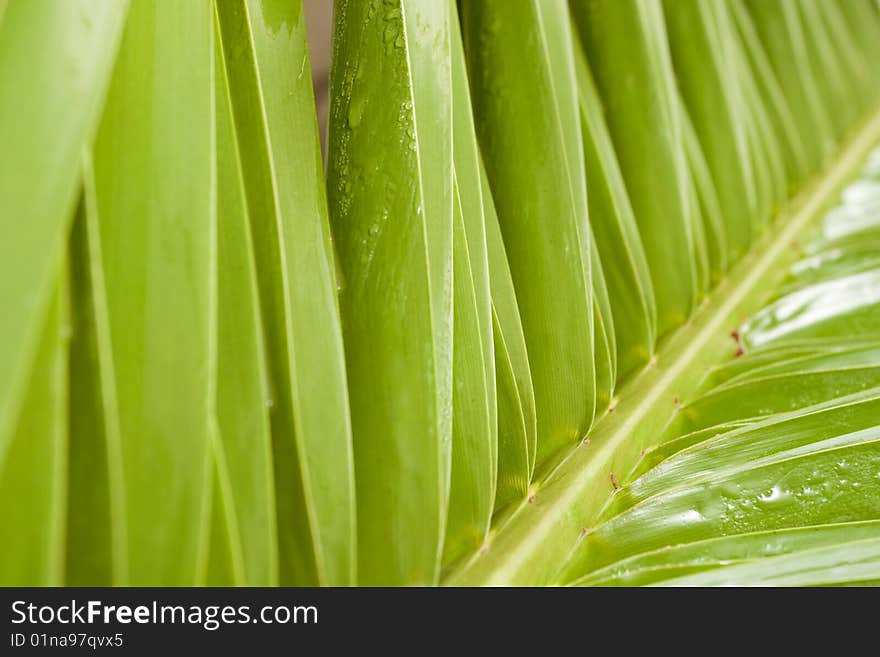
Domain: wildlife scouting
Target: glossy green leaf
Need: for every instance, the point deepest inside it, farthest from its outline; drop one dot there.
(780, 30)
(852, 62)
(627, 40)
(520, 61)
(97, 552)
(246, 506)
(391, 111)
(703, 55)
(156, 260)
(517, 424)
(33, 472)
(771, 356)
(474, 406)
(623, 261)
(558, 323)
(837, 92)
(756, 480)
(788, 488)
(641, 486)
(267, 64)
(721, 557)
(698, 225)
(849, 562)
(864, 22)
(784, 125)
(605, 349)
(708, 204)
(55, 64)
(845, 306)
(765, 144)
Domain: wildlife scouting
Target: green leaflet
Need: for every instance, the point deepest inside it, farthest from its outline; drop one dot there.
(785, 352)
(720, 558)
(705, 66)
(627, 40)
(846, 563)
(622, 255)
(780, 30)
(827, 358)
(245, 508)
(782, 120)
(96, 528)
(605, 348)
(391, 111)
(474, 405)
(771, 394)
(805, 60)
(33, 474)
(707, 201)
(840, 306)
(474, 427)
(192, 378)
(864, 22)
(698, 224)
(52, 55)
(766, 145)
(788, 443)
(837, 93)
(851, 60)
(761, 478)
(517, 425)
(573, 522)
(520, 63)
(267, 66)
(157, 252)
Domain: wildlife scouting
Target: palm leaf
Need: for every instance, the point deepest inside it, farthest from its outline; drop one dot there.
(525, 49)
(793, 149)
(97, 547)
(704, 59)
(157, 309)
(707, 202)
(517, 425)
(55, 62)
(628, 40)
(474, 405)
(35, 462)
(625, 267)
(566, 531)
(395, 244)
(273, 113)
(244, 464)
(559, 323)
(781, 32)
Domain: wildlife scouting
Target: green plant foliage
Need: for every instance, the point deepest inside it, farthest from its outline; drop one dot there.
(157, 308)
(625, 267)
(785, 460)
(243, 432)
(51, 59)
(703, 54)
(520, 58)
(793, 150)
(392, 111)
(781, 31)
(588, 294)
(627, 40)
(474, 405)
(272, 106)
(517, 426)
